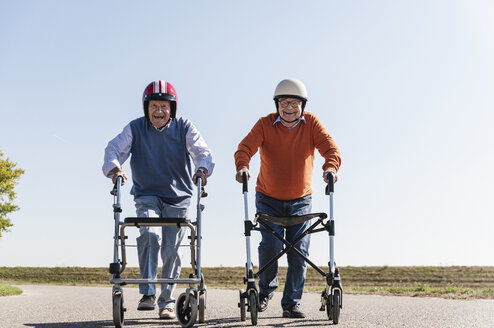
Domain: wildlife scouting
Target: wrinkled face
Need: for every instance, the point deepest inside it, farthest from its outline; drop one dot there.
(290, 109)
(159, 112)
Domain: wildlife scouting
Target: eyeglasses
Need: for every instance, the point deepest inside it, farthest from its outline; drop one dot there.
(155, 107)
(293, 103)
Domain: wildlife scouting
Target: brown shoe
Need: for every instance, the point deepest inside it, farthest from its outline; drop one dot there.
(167, 313)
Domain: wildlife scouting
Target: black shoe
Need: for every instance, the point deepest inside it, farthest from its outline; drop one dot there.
(293, 312)
(146, 303)
(263, 302)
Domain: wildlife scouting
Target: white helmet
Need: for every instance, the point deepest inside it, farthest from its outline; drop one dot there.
(290, 88)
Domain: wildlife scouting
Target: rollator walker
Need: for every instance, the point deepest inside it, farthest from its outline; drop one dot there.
(331, 296)
(191, 303)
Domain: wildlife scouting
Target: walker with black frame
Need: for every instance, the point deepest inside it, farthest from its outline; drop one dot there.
(191, 304)
(332, 295)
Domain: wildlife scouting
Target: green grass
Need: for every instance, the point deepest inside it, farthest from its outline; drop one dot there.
(488, 291)
(447, 282)
(9, 290)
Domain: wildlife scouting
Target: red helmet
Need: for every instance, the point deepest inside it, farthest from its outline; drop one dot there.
(160, 90)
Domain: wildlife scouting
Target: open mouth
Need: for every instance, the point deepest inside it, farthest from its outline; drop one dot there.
(159, 117)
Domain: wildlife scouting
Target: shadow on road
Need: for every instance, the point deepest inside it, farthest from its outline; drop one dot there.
(99, 324)
(265, 322)
(225, 322)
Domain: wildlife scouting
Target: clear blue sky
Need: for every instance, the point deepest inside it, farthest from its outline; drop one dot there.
(404, 87)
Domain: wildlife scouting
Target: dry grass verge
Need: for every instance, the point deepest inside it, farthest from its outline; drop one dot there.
(448, 282)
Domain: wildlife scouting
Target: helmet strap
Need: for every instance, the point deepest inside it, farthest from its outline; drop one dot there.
(167, 122)
(295, 120)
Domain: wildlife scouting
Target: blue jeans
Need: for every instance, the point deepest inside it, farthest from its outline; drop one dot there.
(148, 246)
(270, 246)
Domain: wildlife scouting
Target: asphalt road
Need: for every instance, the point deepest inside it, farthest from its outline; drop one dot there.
(78, 307)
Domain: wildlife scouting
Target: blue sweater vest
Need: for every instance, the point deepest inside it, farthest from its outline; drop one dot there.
(160, 161)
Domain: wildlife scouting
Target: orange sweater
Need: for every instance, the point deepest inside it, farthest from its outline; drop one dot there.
(287, 156)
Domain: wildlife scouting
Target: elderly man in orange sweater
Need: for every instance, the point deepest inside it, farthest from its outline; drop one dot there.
(287, 140)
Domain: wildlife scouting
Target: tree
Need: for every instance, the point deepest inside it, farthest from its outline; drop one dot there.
(9, 177)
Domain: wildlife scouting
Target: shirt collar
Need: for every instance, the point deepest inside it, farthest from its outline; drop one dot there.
(163, 127)
(278, 120)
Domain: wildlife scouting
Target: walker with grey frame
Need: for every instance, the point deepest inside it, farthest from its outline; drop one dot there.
(191, 304)
(331, 296)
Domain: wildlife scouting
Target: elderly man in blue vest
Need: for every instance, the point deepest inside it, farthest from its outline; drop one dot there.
(162, 147)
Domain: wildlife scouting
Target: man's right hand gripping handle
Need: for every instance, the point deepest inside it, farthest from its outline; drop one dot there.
(113, 192)
(116, 172)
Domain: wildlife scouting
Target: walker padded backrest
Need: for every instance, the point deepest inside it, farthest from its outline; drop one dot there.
(158, 221)
(286, 221)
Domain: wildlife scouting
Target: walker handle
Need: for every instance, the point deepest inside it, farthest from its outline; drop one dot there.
(244, 182)
(330, 185)
(204, 194)
(113, 192)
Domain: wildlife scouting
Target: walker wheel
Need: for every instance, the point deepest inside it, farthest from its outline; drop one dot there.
(118, 307)
(329, 307)
(241, 305)
(202, 305)
(253, 307)
(335, 306)
(186, 312)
